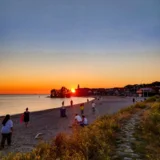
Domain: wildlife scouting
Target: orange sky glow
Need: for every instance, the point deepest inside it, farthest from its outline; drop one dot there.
(96, 44)
(39, 88)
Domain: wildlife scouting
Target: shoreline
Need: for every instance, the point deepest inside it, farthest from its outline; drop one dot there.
(49, 109)
(49, 123)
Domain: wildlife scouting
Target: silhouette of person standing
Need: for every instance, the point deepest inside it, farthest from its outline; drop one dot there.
(71, 103)
(26, 117)
(133, 100)
(63, 104)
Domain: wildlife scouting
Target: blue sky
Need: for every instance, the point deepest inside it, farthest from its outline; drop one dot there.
(80, 25)
(42, 31)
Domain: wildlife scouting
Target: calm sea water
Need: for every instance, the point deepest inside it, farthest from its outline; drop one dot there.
(14, 104)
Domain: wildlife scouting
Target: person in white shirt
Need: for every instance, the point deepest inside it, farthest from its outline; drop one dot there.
(6, 131)
(78, 119)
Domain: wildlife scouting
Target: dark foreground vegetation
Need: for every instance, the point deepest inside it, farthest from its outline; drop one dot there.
(98, 140)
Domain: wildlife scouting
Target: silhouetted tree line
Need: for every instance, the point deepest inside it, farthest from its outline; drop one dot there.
(61, 93)
(138, 86)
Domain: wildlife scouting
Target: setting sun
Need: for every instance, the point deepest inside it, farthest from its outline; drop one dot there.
(73, 90)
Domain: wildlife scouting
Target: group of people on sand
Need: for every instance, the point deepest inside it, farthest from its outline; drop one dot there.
(7, 127)
(81, 106)
(78, 119)
(82, 121)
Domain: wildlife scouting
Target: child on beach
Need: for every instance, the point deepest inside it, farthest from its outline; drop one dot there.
(26, 117)
(84, 121)
(82, 108)
(7, 129)
(22, 118)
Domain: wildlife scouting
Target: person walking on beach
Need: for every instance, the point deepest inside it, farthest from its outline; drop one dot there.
(93, 107)
(71, 103)
(82, 108)
(133, 100)
(26, 117)
(62, 103)
(7, 129)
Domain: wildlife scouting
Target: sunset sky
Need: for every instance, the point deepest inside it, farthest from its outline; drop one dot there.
(45, 44)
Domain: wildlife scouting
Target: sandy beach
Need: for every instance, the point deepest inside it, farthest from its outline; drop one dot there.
(49, 122)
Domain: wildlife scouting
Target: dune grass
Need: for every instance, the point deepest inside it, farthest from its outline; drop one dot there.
(148, 131)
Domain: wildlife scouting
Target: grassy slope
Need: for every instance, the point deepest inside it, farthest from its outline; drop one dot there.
(148, 132)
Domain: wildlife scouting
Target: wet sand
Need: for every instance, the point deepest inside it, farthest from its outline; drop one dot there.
(49, 122)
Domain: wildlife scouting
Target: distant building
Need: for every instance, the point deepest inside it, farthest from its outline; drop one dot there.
(145, 92)
(82, 92)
